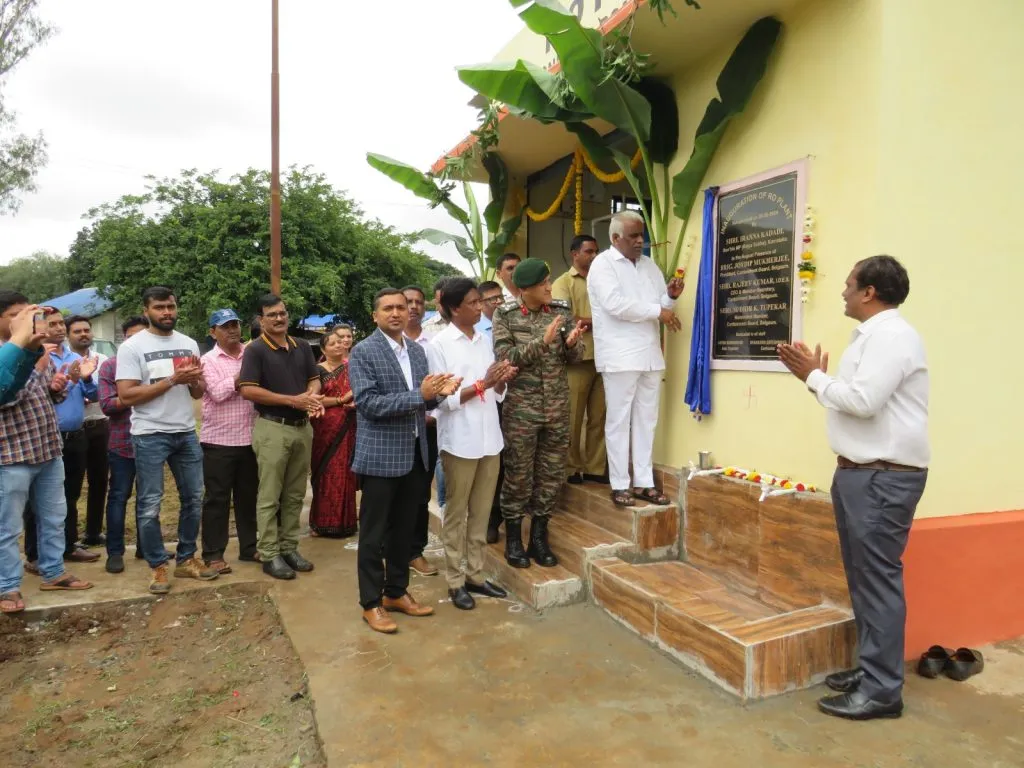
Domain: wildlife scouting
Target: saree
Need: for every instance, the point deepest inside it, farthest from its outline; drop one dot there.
(333, 512)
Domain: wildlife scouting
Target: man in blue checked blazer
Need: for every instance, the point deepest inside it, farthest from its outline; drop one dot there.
(393, 391)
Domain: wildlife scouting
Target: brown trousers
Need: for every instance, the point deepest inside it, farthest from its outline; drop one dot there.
(586, 398)
(469, 486)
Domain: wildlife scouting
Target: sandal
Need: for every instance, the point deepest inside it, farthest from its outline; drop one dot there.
(622, 499)
(652, 495)
(14, 599)
(65, 582)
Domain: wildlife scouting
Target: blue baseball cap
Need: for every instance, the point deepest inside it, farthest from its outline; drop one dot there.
(222, 316)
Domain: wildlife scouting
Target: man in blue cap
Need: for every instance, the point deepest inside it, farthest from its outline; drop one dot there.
(229, 463)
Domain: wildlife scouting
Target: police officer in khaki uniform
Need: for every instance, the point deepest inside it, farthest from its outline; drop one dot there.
(539, 337)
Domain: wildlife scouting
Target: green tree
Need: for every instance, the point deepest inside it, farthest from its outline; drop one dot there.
(40, 276)
(21, 156)
(209, 240)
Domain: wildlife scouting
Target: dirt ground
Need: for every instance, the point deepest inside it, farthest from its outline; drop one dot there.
(169, 511)
(196, 679)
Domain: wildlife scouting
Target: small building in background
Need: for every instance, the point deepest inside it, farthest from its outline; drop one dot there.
(88, 302)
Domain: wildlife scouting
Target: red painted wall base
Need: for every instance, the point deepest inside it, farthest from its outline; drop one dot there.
(964, 578)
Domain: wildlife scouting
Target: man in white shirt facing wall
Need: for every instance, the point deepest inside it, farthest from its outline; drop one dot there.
(877, 417)
(469, 439)
(629, 299)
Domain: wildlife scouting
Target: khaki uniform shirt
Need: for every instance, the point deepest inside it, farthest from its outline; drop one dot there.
(571, 287)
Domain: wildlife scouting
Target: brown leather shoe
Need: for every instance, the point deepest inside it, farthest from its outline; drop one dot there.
(422, 566)
(407, 605)
(79, 555)
(379, 621)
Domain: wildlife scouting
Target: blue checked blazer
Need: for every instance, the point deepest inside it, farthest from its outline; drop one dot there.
(388, 413)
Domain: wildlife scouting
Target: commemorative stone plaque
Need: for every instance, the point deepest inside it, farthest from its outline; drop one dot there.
(754, 270)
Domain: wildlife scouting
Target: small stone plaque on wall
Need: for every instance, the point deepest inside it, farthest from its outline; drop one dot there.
(757, 249)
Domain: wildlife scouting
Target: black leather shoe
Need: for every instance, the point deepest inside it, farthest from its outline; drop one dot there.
(539, 549)
(964, 663)
(488, 589)
(492, 535)
(933, 661)
(297, 561)
(600, 479)
(115, 564)
(94, 541)
(515, 555)
(249, 558)
(857, 706)
(575, 479)
(461, 599)
(846, 681)
(279, 569)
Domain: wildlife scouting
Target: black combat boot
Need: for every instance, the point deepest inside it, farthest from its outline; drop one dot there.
(492, 525)
(539, 549)
(515, 555)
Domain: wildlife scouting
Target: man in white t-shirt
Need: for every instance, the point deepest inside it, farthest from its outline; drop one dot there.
(158, 376)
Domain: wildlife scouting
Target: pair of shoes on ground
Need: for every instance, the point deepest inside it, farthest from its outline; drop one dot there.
(956, 665)
(379, 620)
(463, 600)
(284, 566)
(193, 568)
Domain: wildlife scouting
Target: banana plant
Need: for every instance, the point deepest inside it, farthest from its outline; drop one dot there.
(486, 234)
(586, 89)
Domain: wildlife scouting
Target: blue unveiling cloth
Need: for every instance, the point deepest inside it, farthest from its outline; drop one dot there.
(15, 367)
(698, 383)
(71, 412)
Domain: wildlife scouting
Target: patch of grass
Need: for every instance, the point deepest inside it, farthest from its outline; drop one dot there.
(41, 716)
(222, 739)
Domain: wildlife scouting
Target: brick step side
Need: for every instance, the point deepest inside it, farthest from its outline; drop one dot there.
(750, 648)
(539, 588)
(652, 529)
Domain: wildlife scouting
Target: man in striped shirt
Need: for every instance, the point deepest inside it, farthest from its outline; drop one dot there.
(229, 464)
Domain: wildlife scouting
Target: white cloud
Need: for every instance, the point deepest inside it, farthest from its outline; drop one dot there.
(130, 88)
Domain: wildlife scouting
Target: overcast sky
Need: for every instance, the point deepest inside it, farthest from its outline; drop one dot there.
(135, 87)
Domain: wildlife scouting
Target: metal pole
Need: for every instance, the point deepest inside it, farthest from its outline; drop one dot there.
(275, 160)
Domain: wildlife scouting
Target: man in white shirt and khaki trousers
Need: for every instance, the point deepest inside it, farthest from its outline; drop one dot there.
(877, 417)
(469, 440)
(628, 300)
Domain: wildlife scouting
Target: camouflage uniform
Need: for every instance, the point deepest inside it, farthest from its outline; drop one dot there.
(535, 414)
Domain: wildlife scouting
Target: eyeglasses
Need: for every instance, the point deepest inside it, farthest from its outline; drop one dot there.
(494, 300)
(276, 315)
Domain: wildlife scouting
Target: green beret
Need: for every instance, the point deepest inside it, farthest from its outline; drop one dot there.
(530, 272)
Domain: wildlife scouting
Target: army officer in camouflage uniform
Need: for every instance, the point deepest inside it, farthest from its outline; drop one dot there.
(538, 336)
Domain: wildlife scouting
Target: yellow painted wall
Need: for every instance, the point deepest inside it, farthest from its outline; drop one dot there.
(910, 114)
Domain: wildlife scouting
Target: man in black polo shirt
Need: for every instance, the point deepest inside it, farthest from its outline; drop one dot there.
(281, 377)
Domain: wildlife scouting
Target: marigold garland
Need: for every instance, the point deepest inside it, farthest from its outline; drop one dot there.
(566, 184)
(758, 477)
(610, 178)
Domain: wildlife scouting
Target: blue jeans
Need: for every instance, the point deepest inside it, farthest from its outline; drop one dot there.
(181, 452)
(122, 478)
(45, 484)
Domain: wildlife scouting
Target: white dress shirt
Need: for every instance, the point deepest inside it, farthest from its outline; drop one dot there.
(402, 353)
(878, 404)
(625, 301)
(469, 430)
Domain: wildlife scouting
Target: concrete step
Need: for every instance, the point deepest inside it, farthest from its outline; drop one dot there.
(576, 542)
(652, 529)
(540, 588)
(749, 647)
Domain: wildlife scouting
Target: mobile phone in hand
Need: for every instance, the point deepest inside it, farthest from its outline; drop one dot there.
(39, 323)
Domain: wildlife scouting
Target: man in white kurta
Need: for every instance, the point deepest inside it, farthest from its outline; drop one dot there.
(629, 299)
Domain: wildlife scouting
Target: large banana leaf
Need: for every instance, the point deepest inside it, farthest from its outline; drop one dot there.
(417, 182)
(476, 229)
(504, 236)
(437, 237)
(664, 119)
(497, 180)
(529, 89)
(579, 52)
(736, 85)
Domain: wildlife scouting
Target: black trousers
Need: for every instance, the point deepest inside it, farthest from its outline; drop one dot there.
(74, 473)
(96, 470)
(229, 472)
(495, 519)
(422, 527)
(387, 517)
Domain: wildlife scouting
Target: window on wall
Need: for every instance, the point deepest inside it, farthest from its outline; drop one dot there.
(620, 203)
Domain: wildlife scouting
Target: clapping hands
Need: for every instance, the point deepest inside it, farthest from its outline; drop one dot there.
(439, 385)
(500, 372)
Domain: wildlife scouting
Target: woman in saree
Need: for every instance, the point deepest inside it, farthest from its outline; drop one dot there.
(333, 513)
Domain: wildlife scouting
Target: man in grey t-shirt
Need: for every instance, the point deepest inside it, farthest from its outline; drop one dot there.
(158, 376)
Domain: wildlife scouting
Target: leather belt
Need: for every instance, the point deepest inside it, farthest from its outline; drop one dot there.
(72, 433)
(286, 422)
(93, 423)
(887, 466)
